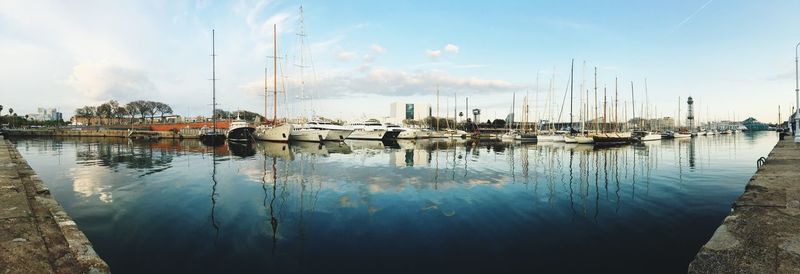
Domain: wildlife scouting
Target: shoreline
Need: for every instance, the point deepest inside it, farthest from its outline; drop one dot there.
(36, 235)
(762, 232)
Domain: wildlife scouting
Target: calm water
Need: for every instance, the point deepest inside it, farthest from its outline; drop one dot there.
(414, 207)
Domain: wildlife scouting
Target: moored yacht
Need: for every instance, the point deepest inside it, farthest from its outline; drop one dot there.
(335, 132)
(526, 137)
(240, 131)
(304, 133)
(411, 133)
(279, 133)
(372, 129)
(643, 136)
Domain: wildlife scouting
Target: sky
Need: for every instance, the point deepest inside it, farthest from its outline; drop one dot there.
(735, 58)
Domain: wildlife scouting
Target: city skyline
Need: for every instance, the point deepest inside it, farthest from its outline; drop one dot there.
(731, 56)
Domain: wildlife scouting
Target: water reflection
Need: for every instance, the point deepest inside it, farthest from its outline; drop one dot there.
(309, 207)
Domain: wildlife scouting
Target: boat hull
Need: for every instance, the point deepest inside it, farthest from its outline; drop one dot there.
(212, 139)
(308, 135)
(337, 134)
(274, 134)
(526, 137)
(584, 139)
(367, 135)
(408, 134)
(241, 134)
(611, 139)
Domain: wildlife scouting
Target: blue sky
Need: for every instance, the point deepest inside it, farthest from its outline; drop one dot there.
(731, 56)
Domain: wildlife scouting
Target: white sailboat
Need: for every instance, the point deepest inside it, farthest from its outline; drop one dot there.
(305, 132)
(586, 137)
(511, 135)
(273, 132)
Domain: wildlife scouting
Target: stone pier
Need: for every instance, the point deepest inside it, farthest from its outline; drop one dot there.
(762, 232)
(36, 235)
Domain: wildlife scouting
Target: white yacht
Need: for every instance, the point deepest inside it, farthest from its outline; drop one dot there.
(372, 129)
(335, 132)
(304, 133)
(279, 133)
(411, 133)
(643, 136)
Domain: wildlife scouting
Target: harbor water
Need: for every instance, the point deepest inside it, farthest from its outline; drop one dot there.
(429, 206)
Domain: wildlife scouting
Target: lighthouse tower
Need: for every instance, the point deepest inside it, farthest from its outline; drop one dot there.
(690, 115)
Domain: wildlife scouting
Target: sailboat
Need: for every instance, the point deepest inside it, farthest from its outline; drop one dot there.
(613, 138)
(511, 134)
(306, 132)
(211, 136)
(586, 137)
(550, 135)
(273, 132)
(569, 138)
(643, 135)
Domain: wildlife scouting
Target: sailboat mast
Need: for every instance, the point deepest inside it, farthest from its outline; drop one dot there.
(275, 74)
(213, 81)
(437, 107)
(605, 109)
(647, 105)
(616, 104)
(633, 105)
(596, 119)
(265, 94)
(582, 108)
(513, 105)
(571, 83)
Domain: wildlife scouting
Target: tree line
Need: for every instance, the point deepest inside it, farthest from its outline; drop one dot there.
(114, 111)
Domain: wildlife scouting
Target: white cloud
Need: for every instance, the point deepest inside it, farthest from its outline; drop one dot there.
(102, 81)
(394, 82)
(433, 54)
(345, 55)
(377, 49)
(450, 48)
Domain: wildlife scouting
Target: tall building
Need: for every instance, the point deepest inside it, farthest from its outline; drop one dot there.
(400, 112)
(45, 114)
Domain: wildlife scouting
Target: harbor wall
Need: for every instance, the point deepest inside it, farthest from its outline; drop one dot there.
(36, 235)
(185, 133)
(762, 232)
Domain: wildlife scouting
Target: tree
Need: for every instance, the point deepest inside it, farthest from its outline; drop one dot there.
(150, 108)
(104, 111)
(10, 111)
(499, 123)
(142, 108)
(87, 112)
(132, 109)
(1, 109)
(163, 109)
(114, 108)
(119, 113)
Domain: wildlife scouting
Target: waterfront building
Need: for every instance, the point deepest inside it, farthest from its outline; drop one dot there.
(45, 114)
(400, 112)
(752, 124)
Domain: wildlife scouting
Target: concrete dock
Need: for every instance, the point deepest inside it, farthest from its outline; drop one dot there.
(36, 235)
(762, 232)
